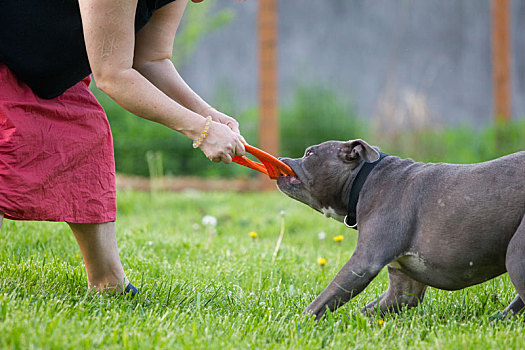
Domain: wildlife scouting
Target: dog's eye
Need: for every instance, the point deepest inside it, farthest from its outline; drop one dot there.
(308, 152)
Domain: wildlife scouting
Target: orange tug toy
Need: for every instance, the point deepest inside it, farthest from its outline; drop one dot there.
(269, 165)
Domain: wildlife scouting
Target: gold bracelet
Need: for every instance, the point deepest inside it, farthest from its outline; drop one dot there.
(205, 109)
(204, 133)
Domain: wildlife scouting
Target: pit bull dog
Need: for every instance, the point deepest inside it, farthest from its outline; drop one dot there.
(448, 226)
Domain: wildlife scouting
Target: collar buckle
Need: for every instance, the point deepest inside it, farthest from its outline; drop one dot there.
(345, 221)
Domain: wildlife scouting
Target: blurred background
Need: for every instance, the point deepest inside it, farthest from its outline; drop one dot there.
(434, 80)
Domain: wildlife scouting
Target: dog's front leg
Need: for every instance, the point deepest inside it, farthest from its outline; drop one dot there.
(356, 274)
(349, 282)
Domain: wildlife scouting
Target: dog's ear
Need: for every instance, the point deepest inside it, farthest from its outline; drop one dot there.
(357, 149)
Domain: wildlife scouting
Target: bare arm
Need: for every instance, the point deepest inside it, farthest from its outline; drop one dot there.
(153, 51)
(110, 42)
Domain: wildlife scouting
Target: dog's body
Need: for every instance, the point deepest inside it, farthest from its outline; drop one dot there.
(441, 225)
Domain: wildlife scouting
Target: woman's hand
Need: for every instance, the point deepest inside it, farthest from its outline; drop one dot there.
(222, 118)
(222, 143)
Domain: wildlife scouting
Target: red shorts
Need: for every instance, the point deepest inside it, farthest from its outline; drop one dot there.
(56, 156)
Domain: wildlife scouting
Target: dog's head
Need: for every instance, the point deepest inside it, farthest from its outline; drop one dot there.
(325, 173)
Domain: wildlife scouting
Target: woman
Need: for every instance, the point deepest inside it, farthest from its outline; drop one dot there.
(56, 153)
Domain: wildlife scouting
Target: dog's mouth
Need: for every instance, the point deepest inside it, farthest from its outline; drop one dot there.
(290, 180)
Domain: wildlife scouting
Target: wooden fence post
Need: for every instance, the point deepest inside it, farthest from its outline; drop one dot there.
(501, 76)
(268, 83)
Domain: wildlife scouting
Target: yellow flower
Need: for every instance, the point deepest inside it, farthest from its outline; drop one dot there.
(321, 261)
(77, 256)
(380, 323)
(338, 238)
(253, 234)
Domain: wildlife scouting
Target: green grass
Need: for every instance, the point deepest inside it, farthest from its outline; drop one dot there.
(227, 295)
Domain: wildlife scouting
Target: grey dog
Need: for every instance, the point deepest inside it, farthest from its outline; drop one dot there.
(448, 226)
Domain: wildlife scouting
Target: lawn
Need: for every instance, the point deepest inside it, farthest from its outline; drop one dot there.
(201, 289)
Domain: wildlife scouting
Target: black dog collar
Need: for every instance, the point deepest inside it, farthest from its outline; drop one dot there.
(351, 218)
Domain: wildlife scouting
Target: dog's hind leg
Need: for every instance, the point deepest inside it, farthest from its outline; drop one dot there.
(402, 291)
(514, 307)
(515, 262)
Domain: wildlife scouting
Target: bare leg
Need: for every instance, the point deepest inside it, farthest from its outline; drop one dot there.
(98, 244)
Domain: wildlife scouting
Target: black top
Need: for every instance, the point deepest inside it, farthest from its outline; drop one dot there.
(42, 41)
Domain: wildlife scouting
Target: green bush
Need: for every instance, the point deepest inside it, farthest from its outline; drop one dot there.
(462, 144)
(315, 115)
